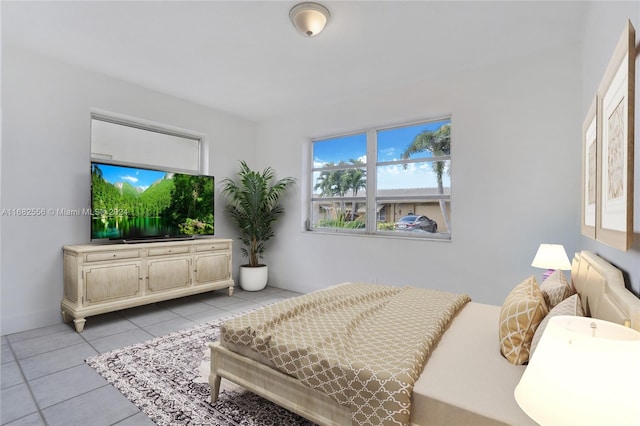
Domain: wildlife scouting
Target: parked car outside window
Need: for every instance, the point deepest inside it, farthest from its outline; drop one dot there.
(413, 222)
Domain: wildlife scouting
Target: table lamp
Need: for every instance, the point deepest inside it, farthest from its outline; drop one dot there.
(551, 257)
(583, 372)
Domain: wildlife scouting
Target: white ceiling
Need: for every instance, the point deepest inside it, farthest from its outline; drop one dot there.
(246, 58)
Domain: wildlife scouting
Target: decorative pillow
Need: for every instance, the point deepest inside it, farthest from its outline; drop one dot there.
(521, 313)
(555, 289)
(569, 306)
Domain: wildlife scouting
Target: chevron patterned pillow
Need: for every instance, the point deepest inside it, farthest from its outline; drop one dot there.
(555, 289)
(521, 313)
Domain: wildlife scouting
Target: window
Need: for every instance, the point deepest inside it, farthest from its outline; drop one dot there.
(339, 183)
(387, 181)
(134, 142)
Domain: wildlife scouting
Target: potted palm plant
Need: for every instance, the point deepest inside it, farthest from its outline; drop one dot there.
(253, 205)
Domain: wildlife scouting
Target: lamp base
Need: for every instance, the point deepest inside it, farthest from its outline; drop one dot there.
(547, 273)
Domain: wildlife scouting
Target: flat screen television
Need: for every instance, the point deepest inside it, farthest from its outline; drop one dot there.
(135, 203)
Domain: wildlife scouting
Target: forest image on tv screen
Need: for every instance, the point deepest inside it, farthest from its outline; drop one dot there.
(129, 202)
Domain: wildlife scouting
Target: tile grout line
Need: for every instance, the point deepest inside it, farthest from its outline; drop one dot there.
(26, 383)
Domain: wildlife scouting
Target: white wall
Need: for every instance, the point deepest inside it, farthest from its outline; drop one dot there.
(515, 180)
(45, 164)
(603, 29)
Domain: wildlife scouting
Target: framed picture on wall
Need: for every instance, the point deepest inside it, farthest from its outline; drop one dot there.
(615, 128)
(589, 171)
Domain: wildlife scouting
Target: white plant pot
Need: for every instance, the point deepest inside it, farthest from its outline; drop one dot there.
(253, 278)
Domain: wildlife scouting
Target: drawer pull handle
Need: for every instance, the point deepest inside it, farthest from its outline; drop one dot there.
(114, 255)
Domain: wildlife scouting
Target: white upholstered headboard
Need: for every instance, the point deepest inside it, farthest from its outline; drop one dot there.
(602, 291)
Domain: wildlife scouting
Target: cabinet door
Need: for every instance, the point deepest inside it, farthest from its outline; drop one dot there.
(168, 273)
(115, 281)
(212, 267)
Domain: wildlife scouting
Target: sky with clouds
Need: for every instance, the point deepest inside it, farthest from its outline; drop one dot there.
(139, 178)
(391, 144)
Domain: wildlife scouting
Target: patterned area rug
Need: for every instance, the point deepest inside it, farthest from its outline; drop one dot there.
(166, 378)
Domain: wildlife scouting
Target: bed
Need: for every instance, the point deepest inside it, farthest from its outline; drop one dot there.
(465, 379)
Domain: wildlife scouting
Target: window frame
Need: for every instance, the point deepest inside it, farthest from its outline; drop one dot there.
(371, 198)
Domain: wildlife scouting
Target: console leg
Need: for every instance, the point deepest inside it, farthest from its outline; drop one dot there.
(79, 323)
(230, 291)
(65, 318)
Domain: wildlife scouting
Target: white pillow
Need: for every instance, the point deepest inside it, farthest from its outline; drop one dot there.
(569, 306)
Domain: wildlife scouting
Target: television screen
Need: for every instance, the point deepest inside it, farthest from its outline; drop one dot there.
(140, 203)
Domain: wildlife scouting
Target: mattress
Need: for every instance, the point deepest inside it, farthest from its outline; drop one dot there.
(465, 381)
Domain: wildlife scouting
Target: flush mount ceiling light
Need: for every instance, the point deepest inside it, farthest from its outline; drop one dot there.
(309, 18)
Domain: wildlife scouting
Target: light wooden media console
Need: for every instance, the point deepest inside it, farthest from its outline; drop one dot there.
(101, 278)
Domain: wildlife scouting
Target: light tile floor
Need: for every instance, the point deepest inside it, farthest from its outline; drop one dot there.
(46, 382)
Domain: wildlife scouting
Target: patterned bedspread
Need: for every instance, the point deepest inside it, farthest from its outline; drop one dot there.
(362, 344)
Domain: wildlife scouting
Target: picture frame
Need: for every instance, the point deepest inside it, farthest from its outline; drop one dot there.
(615, 146)
(589, 171)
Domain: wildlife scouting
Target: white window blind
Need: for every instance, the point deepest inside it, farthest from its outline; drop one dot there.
(128, 143)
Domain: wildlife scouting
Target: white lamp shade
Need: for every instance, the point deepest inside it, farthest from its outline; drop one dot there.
(309, 18)
(551, 256)
(580, 375)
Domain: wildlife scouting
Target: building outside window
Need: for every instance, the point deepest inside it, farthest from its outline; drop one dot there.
(386, 181)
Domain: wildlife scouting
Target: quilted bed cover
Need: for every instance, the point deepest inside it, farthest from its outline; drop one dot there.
(364, 345)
